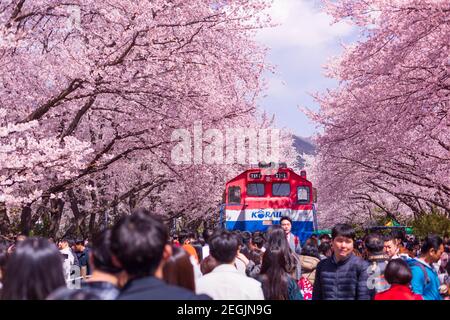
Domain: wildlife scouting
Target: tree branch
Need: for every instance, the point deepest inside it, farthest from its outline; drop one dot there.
(121, 58)
(42, 110)
(73, 125)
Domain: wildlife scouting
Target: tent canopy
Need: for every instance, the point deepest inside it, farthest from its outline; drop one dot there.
(408, 230)
(323, 231)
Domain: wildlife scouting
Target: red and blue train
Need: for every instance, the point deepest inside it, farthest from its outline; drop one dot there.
(257, 198)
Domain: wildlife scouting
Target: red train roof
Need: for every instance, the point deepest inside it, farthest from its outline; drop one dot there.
(292, 175)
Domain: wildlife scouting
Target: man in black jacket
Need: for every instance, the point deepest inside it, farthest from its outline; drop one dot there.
(343, 276)
(139, 244)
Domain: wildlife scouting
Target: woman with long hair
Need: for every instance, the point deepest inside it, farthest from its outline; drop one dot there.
(33, 271)
(277, 284)
(178, 270)
(276, 238)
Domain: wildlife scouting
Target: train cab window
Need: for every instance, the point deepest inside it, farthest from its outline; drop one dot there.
(303, 194)
(255, 189)
(281, 189)
(234, 195)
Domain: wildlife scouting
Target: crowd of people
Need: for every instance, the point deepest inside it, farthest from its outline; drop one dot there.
(137, 259)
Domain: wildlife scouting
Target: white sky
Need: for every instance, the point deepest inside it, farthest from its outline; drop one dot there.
(300, 46)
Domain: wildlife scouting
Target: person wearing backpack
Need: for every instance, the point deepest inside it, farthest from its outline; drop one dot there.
(398, 275)
(425, 280)
(309, 260)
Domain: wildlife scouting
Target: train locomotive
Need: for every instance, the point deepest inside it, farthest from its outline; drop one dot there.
(258, 197)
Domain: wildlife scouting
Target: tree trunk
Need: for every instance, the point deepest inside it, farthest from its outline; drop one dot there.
(132, 201)
(91, 228)
(56, 209)
(25, 220)
(41, 210)
(115, 211)
(92, 225)
(83, 227)
(5, 224)
(74, 228)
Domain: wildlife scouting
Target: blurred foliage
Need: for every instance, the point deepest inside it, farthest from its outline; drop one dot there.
(431, 222)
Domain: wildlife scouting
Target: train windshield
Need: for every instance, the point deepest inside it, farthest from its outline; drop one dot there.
(281, 189)
(255, 189)
(303, 194)
(234, 195)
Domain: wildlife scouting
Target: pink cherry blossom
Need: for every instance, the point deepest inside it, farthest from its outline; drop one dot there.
(386, 140)
(91, 92)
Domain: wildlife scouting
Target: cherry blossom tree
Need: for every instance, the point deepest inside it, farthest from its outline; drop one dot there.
(386, 139)
(99, 87)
